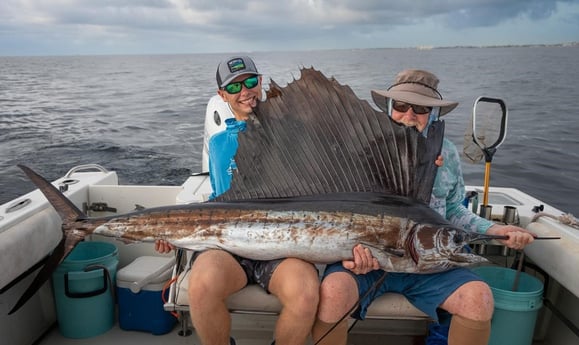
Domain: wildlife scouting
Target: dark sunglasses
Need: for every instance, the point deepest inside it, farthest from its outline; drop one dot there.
(250, 83)
(417, 109)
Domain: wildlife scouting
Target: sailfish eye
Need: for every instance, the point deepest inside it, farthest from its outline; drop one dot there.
(458, 238)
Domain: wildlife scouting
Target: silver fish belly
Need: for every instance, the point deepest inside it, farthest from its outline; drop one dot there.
(317, 236)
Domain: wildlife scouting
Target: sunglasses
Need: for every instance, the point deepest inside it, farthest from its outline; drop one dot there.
(249, 83)
(417, 109)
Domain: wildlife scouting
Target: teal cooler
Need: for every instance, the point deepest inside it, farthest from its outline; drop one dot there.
(139, 290)
(515, 312)
(83, 290)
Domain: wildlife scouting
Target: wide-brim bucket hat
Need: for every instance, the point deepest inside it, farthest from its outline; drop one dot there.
(414, 87)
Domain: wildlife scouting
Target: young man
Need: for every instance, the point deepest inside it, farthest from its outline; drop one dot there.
(217, 274)
(413, 100)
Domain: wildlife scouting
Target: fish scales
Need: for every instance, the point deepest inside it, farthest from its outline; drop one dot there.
(263, 233)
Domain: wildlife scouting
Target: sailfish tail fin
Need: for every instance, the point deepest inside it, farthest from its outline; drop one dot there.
(69, 213)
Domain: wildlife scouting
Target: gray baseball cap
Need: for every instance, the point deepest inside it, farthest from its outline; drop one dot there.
(233, 67)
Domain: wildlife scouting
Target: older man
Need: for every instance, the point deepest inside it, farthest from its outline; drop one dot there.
(413, 100)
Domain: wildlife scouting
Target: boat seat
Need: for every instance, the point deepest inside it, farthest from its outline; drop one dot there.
(255, 300)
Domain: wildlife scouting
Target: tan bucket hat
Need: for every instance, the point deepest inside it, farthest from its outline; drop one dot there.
(415, 87)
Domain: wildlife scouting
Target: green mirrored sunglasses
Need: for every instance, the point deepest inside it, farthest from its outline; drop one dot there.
(249, 83)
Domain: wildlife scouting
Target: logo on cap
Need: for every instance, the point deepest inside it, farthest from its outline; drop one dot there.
(236, 65)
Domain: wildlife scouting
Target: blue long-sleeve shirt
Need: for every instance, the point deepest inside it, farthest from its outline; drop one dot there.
(448, 193)
(222, 149)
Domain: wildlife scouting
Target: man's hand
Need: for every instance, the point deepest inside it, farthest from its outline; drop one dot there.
(518, 237)
(163, 246)
(363, 261)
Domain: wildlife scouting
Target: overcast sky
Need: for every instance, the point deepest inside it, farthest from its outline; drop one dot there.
(87, 27)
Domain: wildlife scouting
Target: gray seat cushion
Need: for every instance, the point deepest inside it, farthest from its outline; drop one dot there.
(253, 299)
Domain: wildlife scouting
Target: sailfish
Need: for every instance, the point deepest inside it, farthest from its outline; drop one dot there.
(318, 171)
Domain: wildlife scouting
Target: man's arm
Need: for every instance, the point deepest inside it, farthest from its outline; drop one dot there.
(456, 212)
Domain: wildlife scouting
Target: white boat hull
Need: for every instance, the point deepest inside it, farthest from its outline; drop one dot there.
(31, 232)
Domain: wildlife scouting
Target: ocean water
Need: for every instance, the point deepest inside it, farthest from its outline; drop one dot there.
(143, 115)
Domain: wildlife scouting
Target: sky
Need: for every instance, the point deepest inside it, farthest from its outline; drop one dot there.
(103, 27)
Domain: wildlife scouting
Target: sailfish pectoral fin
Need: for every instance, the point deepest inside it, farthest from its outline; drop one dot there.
(387, 250)
(384, 255)
(43, 275)
(395, 252)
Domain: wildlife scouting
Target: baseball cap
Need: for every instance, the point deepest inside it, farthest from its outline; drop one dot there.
(233, 67)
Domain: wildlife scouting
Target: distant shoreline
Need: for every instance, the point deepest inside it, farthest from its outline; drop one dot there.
(422, 47)
(565, 45)
(426, 47)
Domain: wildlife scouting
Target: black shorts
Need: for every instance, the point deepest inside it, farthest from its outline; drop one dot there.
(257, 271)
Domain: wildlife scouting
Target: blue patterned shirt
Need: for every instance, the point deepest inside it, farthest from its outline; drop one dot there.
(448, 193)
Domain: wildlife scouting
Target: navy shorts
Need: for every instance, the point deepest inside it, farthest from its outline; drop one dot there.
(425, 291)
(257, 272)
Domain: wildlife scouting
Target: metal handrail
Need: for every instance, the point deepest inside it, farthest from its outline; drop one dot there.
(86, 167)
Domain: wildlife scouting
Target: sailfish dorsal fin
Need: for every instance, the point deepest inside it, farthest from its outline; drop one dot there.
(315, 136)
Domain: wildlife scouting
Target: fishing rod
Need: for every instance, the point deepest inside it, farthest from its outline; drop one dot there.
(373, 289)
(484, 237)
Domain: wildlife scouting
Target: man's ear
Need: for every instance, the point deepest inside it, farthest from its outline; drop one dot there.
(221, 93)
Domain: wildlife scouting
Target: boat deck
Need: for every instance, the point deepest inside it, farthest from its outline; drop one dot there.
(257, 332)
(247, 330)
(257, 329)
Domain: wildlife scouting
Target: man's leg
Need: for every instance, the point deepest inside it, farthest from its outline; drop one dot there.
(326, 333)
(472, 307)
(338, 294)
(438, 331)
(296, 284)
(215, 275)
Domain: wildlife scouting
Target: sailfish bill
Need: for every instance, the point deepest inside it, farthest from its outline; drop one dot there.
(319, 171)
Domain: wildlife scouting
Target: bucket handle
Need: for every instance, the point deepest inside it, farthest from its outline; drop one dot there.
(106, 283)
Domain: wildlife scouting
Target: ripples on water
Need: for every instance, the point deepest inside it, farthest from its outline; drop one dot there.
(143, 115)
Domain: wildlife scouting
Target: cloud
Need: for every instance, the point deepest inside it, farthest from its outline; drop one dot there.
(216, 25)
(492, 12)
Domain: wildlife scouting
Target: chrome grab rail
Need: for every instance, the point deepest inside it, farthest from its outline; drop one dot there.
(86, 167)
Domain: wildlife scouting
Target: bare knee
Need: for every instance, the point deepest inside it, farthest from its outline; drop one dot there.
(296, 284)
(338, 294)
(199, 290)
(305, 302)
(213, 277)
(473, 300)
